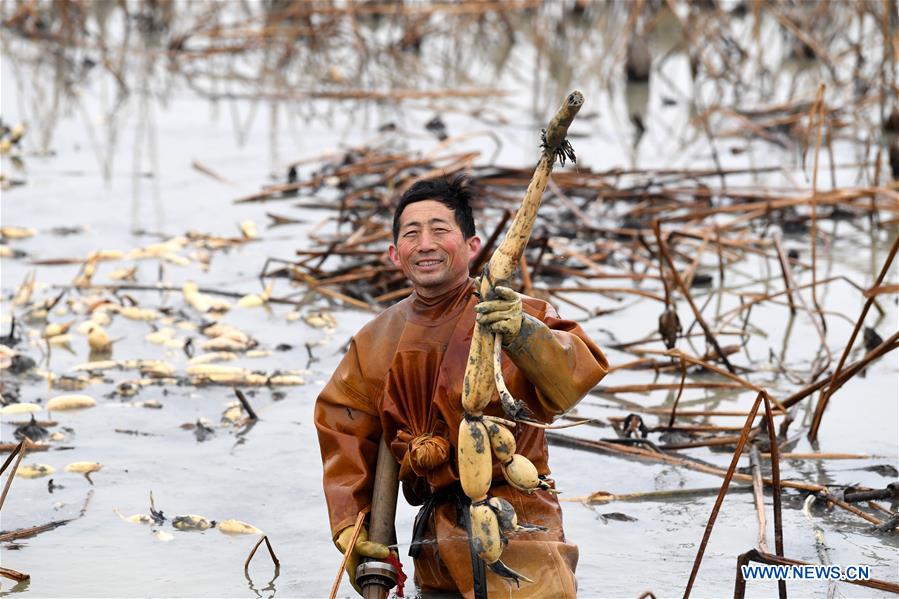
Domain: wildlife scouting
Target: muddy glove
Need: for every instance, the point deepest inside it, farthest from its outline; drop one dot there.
(363, 548)
(502, 315)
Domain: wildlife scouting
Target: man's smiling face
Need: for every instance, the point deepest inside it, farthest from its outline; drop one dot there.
(431, 249)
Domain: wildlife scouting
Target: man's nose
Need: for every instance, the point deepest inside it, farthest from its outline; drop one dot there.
(426, 242)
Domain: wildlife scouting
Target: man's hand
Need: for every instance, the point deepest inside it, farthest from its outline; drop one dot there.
(503, 315)
(363, 548)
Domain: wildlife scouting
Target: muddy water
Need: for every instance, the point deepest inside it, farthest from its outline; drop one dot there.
(125, 176)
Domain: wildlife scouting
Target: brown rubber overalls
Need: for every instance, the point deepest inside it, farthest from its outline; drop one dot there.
(402, 377)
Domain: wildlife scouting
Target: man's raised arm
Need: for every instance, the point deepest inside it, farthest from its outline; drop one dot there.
(555, 355)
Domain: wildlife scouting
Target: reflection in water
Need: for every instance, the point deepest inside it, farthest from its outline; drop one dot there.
(19, 587)
(240, 437)
(637, 97)
(268, 588)
(301, 57)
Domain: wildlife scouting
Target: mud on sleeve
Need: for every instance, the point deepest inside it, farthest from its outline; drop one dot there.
(558, 358)
(349, 432)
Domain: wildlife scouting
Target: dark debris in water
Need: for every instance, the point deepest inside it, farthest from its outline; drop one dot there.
(32, 430)
(65, 231)
(633, 426)
(201, 431)
(702, 280)
(20, 363)
(11, 338)
(157, 515)
(136, 433)
(9, 392)
(872, 338)
(674, 438)
(437, 127)
(883, 470)
(617, 516)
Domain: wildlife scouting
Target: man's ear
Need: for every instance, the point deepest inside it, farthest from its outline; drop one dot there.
(394, 256)
(474, 245)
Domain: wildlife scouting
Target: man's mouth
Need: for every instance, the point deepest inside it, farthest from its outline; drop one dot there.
(427, 263)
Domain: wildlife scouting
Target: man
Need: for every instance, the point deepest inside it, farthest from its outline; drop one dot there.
(402, 378)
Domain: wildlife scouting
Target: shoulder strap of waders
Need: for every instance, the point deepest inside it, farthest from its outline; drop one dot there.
(419, 529)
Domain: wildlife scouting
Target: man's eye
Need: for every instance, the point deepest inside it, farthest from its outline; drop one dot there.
(410, 233)
(441, 231)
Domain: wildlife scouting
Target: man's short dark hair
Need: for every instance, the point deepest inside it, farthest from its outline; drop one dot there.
(452, 192)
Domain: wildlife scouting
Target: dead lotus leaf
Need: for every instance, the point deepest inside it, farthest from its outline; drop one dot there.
(248, 229)
(212, 370)
(135, 518)
(124, 274)
(195, 298)
(224, 344)
(225, 330)
(220, 356)
(320, 320)
(60, 340)
(84, 467)
(17, 232)
(72, 383)
(156, 369)
(160, 336)
(20, 408)
(70, 402)
(97, 365)
(192, 522)
(54, 329)
(233, 413)
(286, 379)
(35, 471)
(140, 314)
(236, 527)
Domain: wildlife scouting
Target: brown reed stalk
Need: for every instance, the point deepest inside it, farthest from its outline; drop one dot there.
(847, 373)
(775, 489)
(778, 531)
(18, 454)
(827, 391)
(817, 111)
(680, 391)
(271, 552)
(758, 496)
(710, 337)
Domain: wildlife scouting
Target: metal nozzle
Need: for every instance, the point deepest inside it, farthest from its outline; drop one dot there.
(376, 578)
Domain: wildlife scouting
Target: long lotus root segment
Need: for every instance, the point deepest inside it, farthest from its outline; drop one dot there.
(521, 473)
(475, 463)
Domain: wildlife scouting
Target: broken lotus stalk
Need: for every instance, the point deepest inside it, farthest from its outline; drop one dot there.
(483, 376)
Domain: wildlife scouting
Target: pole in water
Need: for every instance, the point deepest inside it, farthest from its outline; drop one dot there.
(376, 577)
